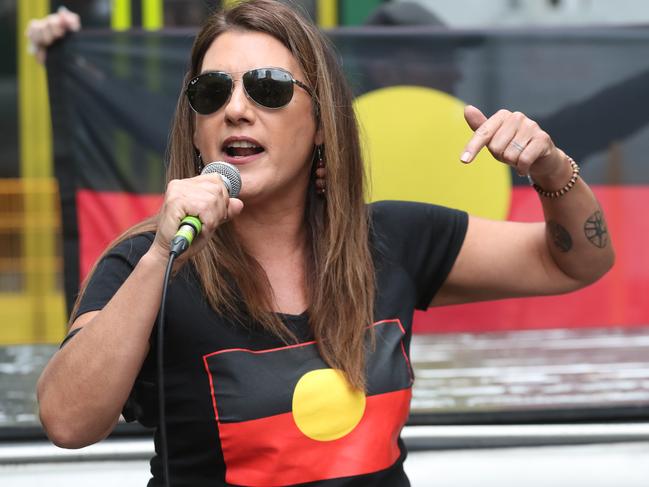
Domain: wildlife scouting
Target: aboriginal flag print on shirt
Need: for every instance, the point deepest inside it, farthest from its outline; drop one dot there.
(284, 417)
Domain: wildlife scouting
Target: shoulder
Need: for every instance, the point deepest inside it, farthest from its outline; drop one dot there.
(402, 216)
(130, 249)
(413, 230)
(387, 208)
(420, 239)
(113, 268)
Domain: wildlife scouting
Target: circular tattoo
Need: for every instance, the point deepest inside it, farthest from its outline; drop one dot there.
(595, 230)
(560, 236)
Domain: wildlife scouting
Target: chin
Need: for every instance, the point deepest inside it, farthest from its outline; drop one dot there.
(250, 193)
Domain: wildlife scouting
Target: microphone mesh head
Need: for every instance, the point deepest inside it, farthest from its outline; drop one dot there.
(229, 173)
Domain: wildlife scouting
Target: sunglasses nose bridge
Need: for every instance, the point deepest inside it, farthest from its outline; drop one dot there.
(239, 100)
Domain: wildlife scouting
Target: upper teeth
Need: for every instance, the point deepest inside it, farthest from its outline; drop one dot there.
(242, 144)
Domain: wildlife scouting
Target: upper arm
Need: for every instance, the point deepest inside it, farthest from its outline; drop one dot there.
(109, 275)
(502, 259)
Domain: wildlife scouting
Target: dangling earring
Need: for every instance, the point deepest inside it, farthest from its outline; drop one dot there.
(320, 173)
(199, 162)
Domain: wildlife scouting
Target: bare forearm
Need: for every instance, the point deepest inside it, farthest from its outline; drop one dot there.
(85, 385)
(576, 232)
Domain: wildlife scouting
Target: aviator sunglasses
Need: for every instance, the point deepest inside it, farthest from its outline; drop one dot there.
(267, 87)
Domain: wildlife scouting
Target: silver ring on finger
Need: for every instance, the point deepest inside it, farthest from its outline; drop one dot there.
(517, 146)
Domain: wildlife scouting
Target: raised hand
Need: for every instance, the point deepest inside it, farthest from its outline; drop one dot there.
(204, 196)
(516, 140)
(43, 32)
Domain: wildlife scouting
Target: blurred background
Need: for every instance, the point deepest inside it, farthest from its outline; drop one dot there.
(588, 363)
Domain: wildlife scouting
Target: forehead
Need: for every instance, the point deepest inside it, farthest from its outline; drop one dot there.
(239, 51)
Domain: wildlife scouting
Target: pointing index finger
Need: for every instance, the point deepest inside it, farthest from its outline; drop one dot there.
(483, 135)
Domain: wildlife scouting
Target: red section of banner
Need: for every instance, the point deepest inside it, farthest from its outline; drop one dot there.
(103, 215)
(272, 451)
(618, 299)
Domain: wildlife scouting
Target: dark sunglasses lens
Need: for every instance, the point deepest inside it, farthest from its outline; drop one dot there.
(209, 92)
(272, 88)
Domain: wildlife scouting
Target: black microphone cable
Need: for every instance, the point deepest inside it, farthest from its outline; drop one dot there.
(162, 423)
(190, 227)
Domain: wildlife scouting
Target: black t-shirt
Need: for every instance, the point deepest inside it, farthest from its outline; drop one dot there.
(243, 408)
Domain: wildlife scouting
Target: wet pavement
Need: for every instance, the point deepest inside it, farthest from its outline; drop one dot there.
(522, 370)
(525, 370)
(20, 367)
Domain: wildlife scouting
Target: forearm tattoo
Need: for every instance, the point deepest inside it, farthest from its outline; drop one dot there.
(595, 230)
(559, 236)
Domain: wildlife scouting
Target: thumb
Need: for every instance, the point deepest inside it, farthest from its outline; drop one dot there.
(235, 206)
(474, 117)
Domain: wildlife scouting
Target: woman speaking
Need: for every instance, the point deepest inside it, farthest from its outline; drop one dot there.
(288, 320)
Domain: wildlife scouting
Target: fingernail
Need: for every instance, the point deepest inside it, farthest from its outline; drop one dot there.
(466, 157)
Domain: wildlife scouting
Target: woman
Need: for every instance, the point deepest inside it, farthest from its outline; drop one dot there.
(289, 319)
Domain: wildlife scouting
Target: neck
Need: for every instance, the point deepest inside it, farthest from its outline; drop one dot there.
(277, 239)
(272, 231)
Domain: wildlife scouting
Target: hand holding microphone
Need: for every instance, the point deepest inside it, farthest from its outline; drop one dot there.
(201, 204)
(191, 226)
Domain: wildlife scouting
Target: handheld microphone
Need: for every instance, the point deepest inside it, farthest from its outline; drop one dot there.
(191, 226)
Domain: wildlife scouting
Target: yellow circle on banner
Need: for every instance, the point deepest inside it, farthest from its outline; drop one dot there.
(325, 406)
(412, 141)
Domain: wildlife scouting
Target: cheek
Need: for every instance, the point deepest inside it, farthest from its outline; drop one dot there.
(204, 132)
(298, 134)
(199, 138)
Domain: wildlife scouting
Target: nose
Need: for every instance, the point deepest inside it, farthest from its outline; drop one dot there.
(238, 108)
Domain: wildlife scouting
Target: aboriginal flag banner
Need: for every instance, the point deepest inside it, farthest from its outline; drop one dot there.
(113, 96)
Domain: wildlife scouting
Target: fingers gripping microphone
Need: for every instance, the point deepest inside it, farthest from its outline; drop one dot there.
(229, 174)
(191, 226)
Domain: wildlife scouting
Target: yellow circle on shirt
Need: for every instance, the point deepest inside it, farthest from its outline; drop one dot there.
(325, 406)
(412, 141)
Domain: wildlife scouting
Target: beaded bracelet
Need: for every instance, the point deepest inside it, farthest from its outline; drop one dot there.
(560, 192)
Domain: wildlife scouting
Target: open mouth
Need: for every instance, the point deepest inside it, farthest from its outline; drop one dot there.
(242, 148)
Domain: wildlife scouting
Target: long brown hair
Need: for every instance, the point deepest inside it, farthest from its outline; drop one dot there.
(340, 273)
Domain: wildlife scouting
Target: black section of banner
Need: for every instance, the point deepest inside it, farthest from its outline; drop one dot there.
(250, 385)
(121, 91)
(64, 167)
